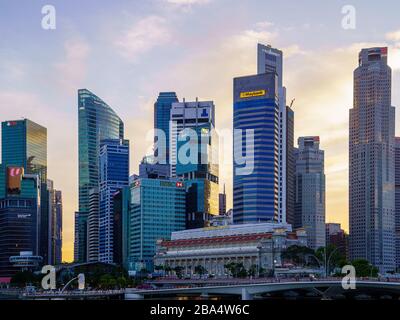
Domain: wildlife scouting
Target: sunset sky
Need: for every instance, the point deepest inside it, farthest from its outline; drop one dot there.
(127, 51)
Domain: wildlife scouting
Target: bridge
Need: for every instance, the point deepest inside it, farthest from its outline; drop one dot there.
(325, 289)
(74, 295)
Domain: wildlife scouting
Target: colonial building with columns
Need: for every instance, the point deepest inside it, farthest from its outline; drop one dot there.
(212, 248)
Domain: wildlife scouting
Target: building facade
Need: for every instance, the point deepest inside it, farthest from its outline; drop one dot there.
(196, 161)
(371, 162)
(270, 60)
(290, 167)
(97, 122)
(19, 219)
(310, 191)
(162, 118)
(397, 200)
(256, 135)
(114, 175)
(336, 236)
(156, 209)
(259, 245)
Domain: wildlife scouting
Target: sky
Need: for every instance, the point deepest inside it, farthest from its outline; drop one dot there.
(127, 51)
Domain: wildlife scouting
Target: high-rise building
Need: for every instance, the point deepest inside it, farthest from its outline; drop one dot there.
(162, 116)
(371, 162)
(58, 225)
(81, 236)
(24, 145)
(310, 191)
(19, 216)
(97, 122)
(222, 203)
(290, 167)
(397, 199)
(196, 161)
(337, 237)
(114, 175)
(156, 209)
(256, 110)
(53, 255)
(93, 226)
(148, 168)
(270, 60)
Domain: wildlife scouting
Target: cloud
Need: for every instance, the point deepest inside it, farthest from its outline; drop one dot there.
(71, 72)
(145, 34)
(187, 2)
(393, 36)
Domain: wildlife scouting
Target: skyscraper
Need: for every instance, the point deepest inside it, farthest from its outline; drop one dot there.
(200, 170)
(97, 122)
(310, 191)
(93, 226)
(222, 203)
(114, 175)
(290, 167)
(19, 216)
(53, 255)
(256, 108)
(162, 115)
(24, 150)
(371, 162)
(397, 199)
(156, 209)
(270, 60)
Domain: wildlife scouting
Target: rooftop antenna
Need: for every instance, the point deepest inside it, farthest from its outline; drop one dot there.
(291, 103)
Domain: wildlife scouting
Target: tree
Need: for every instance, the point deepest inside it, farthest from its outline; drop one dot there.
(252, 270)
(364, 268)
(178, 271)
(236, 270)
(22, 278)
(200, 270)
(297, 254)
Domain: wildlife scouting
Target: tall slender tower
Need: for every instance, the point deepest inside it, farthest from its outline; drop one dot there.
(371, 167)
(97, 122)
(397, 203)
(271, 60)
(310, 191)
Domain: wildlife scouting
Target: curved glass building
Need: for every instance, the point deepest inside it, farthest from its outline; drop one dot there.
(97, 122)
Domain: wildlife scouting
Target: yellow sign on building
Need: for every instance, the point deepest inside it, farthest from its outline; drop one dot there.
(250, 94)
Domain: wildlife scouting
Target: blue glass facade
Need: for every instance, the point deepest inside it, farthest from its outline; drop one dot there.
(156, 209)
(162, 113)
(114, 175)
(255, 194)
(97, 122)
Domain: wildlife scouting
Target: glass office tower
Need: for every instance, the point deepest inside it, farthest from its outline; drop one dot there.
(97, 122)
(114, 175)
(162, 113)
(24, 147)
(156, 209)
(201, 172)
(255, 192)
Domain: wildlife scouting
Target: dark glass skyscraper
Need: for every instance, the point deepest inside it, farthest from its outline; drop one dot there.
(255, 193)
(22, 177)
(162, 113)
(371, 162)
(97, 122)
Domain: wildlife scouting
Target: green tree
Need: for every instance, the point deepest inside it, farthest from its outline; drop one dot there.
(364, 268)
(252, 270)
(179, 271)
(236, 270)
(22, 278)
(200, 270)
(297, 255)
